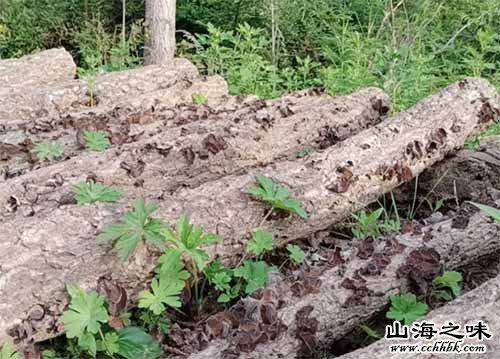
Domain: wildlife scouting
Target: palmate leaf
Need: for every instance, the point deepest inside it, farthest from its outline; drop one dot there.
(8, 352)
(261, 241)
(110, 344)
(295, 253)
(91, 192)
(214, 268)
(406, 308)
(171, 267)
(189, 240)
(276, 196)
(255, 275)
(163, 292)
(137, 225)
(85, 314)
(88, 343)
(95, 141)
(47, 151)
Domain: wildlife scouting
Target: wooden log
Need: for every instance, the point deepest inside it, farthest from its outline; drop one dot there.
(57, 246)
(21, 104)
(349, 294)
(41, 69)
(457, 179)
(124, 122)
(480, 304)
(247, 132)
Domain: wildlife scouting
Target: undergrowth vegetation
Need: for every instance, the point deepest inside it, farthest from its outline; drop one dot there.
(266, 47)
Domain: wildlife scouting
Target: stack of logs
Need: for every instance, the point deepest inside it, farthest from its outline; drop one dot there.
(336, 155)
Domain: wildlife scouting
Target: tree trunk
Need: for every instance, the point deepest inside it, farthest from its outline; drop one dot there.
(41, 69)
(480, 304)
(162, 139)
(55, 244)
(346, 296)
(160, 27)
(20, 105)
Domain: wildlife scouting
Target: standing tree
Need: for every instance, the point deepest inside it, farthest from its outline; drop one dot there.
(160, 28)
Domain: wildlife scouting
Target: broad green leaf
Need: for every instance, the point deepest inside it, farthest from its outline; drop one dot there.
(85, 314)
(134, 343)
(406, 308)
(163, 292)
(8, 352)
(276, 196)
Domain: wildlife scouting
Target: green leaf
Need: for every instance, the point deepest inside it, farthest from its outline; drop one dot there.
(137, 225)
(199, 98)
(85, 314)
(189, 240)
(150, 322)
(370, 332)
(451, 280)
(88, 343)
(255, 275)
(95, 141)
(406, 308)
(276, 196)
(164, 292)
(47, 151)
(296, 254)
(261, 241)
(171, 267)
(222, 281)
(214, 268)
(91, 192)
(490, 211)
(8, 352)
(303, 153)
(367, 224)
(110, 344)
(134, 343)
(230, 294)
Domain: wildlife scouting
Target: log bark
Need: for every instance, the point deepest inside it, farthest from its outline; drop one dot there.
(124, 122)
(22, 105)
(351, 293)
(58, 246)
(41, 69)
(458, 179)
(482, 303)
(222, 140)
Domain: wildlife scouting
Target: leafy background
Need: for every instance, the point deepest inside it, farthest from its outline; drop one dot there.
(409, 47)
